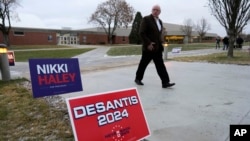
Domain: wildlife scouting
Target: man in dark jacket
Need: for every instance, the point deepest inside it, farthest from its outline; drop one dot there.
(225, 42)
(151, 30)
(217, 43)
(239, 42)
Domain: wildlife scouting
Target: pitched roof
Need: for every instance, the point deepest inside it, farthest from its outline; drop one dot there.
(172, 29)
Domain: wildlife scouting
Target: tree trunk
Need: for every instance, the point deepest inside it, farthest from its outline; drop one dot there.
(230, 52)
(185, 40)
(110, 39)
(5, 35)
(6, 40)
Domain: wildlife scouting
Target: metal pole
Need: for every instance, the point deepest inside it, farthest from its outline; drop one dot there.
(165, 51)
(4, 67)
(4, 64)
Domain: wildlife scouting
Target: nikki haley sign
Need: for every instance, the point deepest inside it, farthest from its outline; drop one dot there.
(110, 116)
(54, 76)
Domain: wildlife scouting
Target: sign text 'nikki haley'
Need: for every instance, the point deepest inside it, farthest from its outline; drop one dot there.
(54, 76)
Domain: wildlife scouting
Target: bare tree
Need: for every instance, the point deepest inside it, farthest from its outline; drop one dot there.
(6, 11)
(187, 28)
(112, 14)
(233, 15)
(202, 27)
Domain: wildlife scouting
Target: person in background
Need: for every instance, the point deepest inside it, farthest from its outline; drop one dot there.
(150, 31)
(225, 42)
(239, 42)
(217, 43)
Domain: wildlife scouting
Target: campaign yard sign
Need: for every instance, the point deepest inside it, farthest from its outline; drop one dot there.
(54, 76)
(110, 116)
(11, 58)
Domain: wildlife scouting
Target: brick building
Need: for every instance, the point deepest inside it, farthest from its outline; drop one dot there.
(66, 36)
(39, 36)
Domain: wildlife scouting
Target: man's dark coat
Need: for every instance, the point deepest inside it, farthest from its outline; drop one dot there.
(149, 32)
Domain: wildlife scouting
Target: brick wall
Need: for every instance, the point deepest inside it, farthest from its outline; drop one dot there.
(29, 36)
(91, 38)
(33, 38)
(121, 40)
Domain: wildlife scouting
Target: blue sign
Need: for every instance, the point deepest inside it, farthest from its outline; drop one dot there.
(54, 76)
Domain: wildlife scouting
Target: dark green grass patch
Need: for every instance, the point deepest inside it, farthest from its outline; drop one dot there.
(24, 118)
(136, 50)
(23, 56)
(240, 58)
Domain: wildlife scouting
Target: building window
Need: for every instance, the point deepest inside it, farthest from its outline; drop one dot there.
(123, 38)
(18, 33)
(61, 40)
(50, 38)
(84, 38)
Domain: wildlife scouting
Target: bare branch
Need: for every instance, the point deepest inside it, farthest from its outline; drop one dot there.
(233, 15)
(111, 15)
(202, 27)
(187, 27)
(6, 11)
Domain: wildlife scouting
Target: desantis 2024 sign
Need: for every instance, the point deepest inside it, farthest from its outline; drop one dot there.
(111, 116)
(54, 76)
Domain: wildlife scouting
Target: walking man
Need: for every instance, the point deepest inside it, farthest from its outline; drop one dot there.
(217, 43)
(151, 30)
(225, 42)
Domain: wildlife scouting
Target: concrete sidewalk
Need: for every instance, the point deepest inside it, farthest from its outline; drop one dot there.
(98, 60)
(207, 97)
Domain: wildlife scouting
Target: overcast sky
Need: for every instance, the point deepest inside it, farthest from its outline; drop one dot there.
(75, 13)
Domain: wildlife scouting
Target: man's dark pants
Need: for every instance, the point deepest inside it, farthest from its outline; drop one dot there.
(159, 64)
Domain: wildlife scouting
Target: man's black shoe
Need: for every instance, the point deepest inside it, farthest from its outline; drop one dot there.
(168, 85)
(138, 82)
